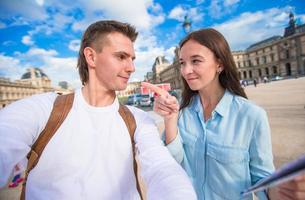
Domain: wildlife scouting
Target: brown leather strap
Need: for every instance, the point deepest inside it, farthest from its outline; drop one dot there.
(61, 107)
(131, 125)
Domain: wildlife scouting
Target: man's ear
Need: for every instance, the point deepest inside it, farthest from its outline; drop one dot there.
(90, 56)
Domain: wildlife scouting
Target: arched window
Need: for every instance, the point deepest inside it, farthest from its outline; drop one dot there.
(288, 69)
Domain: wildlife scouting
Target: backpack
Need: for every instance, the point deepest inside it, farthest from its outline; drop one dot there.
(61, 107)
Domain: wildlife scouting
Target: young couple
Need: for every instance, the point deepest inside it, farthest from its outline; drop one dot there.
(222, 141)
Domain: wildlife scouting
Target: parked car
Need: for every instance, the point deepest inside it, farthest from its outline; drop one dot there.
(276, 78)
(134, 99)
(146, 100)
(176, 93)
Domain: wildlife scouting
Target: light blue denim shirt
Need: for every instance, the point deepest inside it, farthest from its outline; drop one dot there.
(229, 152)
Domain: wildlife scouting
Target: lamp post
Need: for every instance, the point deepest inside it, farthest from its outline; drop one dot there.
(187, 24)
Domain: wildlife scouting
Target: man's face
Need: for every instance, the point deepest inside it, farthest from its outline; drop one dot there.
(114, 63)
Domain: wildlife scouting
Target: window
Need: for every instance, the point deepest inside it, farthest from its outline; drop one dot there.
(287, 53)
(274, 69)
(267, 71)
(264, 59)
(272, 57)
(257, 61)
(249, 63)
(245, 74)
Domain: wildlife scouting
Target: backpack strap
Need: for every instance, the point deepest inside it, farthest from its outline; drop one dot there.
(131, 126)
(61, 107)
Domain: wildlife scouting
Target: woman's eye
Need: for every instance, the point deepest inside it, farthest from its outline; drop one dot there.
(196, 61)
(182, 63)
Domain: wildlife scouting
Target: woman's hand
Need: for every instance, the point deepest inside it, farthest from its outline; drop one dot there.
(167, 106)
(291, 190)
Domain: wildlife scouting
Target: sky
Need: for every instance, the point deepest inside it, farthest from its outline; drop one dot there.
(47, 33)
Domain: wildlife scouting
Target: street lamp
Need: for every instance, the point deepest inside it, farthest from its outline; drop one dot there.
(187, 24)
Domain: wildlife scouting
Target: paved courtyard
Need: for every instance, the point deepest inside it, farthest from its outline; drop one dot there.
(284, 102)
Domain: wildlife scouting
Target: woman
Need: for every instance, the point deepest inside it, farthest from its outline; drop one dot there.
(223, 141)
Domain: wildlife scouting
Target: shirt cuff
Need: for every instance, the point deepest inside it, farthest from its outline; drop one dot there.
(176, 149)
(262, 195)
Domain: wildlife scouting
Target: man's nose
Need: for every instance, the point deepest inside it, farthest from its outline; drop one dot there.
(130, 66)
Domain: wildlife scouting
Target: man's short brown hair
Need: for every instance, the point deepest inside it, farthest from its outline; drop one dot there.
(95, 35)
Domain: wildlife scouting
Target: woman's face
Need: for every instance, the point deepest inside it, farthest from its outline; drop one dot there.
(199, 65)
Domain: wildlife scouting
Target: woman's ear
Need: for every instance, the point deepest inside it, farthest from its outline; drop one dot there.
(90, 56)
(220, 67)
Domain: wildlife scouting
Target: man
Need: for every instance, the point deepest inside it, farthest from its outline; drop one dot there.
(90, 156)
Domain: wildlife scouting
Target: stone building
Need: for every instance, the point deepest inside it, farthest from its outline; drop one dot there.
(132, 88)
(159, 65)
(34, 81)
(276, 56)
(171, 74)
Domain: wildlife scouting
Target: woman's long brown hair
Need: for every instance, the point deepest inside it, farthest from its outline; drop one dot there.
(228, 78)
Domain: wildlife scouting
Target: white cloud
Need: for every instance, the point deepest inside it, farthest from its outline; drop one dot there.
(249, 28)
(40, 2)
(8, 43)
(55, 24)
(215, 9)
(41, 52)
(27, 40)
(219, 8)
(74, 45)
(61, 69)
(302, 18)
(177, 13)
(147, 49)
(26, 9)
(135, 13)
(10, 67)
(198, 2)
(56, 68)
(2, 25)
(230, 2)
(193, 13)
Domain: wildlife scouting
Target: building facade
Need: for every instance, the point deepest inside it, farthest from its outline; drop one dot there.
(34, 81)
(159, 65)
(172, 74)
(276, 56)
(132, 88)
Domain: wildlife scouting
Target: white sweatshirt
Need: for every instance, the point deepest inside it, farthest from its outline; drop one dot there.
(90, 156)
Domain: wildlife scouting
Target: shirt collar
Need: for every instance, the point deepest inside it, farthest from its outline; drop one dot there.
(222, 107)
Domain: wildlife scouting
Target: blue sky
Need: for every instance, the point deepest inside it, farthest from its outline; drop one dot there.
(46, 33)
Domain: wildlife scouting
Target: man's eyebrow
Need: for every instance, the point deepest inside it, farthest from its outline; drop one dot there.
(125, 54)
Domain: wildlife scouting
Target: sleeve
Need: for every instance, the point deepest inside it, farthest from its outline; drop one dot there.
(20, 124)
(164, 177)
(175, 147)
(261, 158)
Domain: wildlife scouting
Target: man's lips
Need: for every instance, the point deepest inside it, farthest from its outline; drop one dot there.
(124, 77)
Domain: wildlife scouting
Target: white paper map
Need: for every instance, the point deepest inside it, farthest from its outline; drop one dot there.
(285, 173)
